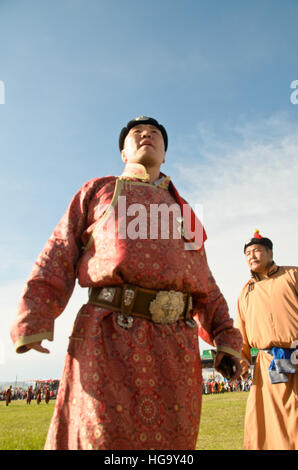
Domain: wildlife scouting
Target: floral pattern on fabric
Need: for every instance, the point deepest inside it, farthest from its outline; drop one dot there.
(128, 389)
(136, 388)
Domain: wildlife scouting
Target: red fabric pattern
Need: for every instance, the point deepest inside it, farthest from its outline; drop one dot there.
(123, 389)
(128, 389)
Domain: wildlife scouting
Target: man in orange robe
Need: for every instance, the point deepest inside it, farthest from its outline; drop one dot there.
(268, 320)
(132, 376)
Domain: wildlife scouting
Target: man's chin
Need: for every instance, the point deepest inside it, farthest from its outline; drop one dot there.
(256, 269)
(147, 159)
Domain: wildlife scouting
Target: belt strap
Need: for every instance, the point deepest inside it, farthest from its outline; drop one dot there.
(132, 300)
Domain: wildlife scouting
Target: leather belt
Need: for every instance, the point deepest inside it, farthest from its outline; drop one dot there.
(133, 301)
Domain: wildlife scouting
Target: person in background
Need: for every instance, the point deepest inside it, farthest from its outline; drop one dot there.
(47, 395)
(8, 395)
(29, 395)
(38, 395)
(268, 320)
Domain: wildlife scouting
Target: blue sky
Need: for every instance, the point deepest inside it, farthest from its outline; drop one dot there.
(216, 74)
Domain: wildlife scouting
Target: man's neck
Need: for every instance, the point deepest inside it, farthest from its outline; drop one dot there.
(262, 275)
(138, 170)
(153, 174)
(270, 269)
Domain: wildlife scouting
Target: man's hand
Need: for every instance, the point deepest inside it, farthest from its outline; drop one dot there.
(220, 366)
(38, 347)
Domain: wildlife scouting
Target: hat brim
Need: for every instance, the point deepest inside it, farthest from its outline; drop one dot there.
(259, 241)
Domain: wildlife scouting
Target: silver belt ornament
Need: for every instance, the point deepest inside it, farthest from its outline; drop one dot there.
(166, 308)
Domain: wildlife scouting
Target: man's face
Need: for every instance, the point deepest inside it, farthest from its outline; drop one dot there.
(144, 144)
(258, 258)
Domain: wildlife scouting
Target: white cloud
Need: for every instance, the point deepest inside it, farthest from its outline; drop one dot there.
(246, 179)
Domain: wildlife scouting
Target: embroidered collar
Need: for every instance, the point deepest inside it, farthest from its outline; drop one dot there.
(139, 172)
(163, 182)
(272, 270)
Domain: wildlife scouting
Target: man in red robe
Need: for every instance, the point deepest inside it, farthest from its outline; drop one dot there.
(38, 395)
(8, 395)
(132, 376)
(29, 395)
(47, 395)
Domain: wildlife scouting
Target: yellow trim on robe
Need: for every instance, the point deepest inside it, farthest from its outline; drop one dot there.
(113, 204)
(20, 345)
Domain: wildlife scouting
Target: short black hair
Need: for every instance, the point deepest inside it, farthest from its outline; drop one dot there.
(259, 241)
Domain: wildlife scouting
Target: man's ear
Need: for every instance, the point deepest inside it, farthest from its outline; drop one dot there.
(124, 159)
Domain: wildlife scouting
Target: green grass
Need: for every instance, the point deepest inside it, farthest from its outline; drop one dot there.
(222, 421)
(24, 427)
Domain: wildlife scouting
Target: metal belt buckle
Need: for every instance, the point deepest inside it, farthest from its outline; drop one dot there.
(125, 321)
(167, 306)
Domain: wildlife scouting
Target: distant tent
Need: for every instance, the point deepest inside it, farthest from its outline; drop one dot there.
(254, 354)
(207, 354)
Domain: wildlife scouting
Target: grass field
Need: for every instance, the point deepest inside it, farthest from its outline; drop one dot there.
(24, 427)
(222, 421)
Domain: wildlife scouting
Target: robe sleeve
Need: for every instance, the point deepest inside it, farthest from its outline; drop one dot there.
(215, 326)
(52, 280)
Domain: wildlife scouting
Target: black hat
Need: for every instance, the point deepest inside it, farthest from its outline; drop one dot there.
(259, 240)
(142, 120)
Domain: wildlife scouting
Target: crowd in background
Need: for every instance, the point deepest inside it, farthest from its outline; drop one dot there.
(39, 391)
(17, 393)
(220, 386)
(46, 391)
